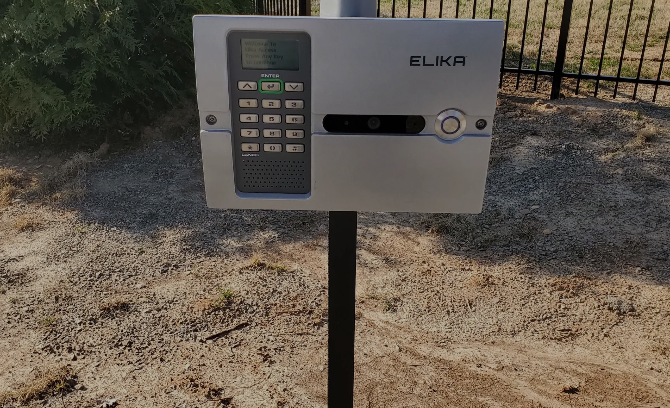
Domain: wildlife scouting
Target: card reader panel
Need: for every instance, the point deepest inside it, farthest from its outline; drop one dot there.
(270, 101)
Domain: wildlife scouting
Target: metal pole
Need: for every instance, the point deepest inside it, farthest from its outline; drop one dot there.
(348, 8)
(342, 262)
(560, 53)
(342, 226)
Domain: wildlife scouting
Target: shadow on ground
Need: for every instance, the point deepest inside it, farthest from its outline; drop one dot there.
(581, 185)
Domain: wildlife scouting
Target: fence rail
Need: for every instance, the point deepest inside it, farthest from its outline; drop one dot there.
(592, 46)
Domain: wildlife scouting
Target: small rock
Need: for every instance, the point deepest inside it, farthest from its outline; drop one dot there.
(140, 286)
(80, 387)
(72, 357)
(547, 231)
(16, 200)
(548, 106)
(534, 207)
(187, 366)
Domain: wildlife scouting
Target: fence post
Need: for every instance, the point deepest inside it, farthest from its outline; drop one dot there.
(560, 52)
(304, 8)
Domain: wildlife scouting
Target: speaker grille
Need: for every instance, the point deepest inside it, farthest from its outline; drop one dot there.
(273, 176)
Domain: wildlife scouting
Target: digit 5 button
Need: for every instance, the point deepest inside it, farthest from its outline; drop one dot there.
(450, 124)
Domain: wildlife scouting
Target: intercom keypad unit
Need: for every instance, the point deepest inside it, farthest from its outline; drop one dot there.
(270, 90)
(346, 114)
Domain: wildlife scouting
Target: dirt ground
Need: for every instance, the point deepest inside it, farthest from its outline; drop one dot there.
(119, 287)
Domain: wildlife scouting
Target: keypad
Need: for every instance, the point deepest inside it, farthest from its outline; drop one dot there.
(263, 116)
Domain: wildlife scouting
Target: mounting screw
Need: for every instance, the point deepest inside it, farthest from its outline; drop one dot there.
(480, 124)
(211, 119)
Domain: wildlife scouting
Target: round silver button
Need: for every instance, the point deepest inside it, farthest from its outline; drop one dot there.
(450, 124)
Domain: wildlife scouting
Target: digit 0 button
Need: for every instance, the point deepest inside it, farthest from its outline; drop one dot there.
(450, 124)
(272, 147)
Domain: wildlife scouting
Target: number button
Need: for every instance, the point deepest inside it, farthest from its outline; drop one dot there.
(247, 86)
(295, 134)
(249, 132)
(295, 119)
(250, 147)
(272, 147)
(248, 103)
(271, 103)
(295, 104)
(249, 118)
(271, 86)
(271, 118)
(295, 148)
(294, 86)
(271, 132)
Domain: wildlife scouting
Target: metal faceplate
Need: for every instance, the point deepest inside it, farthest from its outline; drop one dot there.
(350, 66)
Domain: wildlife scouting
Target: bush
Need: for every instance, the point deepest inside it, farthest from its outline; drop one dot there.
(86, 65)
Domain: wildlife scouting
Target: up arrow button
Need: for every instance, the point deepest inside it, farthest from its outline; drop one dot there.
(247, 86)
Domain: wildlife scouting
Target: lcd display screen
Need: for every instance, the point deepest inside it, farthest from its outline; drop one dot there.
(261, 53)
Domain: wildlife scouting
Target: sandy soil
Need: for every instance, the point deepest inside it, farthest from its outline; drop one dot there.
(557, 295)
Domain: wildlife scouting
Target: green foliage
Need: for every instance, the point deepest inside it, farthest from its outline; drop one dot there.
(84, 65)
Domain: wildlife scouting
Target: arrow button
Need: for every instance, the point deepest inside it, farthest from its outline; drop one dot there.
(294, 86)
(247, 86)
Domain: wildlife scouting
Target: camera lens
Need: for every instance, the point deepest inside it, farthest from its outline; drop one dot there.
(374, 123)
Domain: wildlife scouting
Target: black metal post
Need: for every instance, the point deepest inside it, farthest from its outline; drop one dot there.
(303, 8)
(562, 46)
(342, 227)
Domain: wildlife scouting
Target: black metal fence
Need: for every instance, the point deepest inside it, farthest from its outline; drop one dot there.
(558, 46)
(283, 7)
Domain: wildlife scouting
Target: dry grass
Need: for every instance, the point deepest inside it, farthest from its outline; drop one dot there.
(26, 222)
(222, 300)
(52, 382)
(65, 183)
(481, 280)
(200, 388)
(258, 264)
(12, 184)
(113, 306)
(643, 137)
